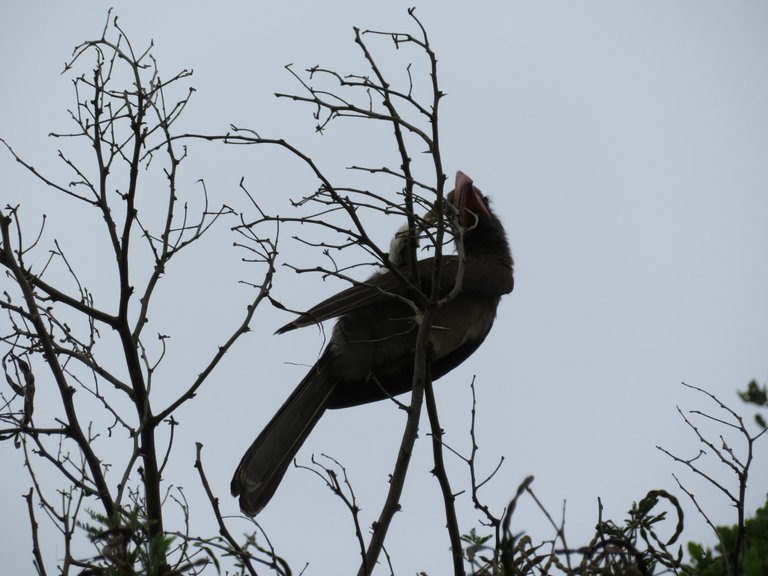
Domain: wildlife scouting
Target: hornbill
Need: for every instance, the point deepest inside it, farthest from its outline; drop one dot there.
(370, 355)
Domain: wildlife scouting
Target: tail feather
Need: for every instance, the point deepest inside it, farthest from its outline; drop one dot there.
(266, 461)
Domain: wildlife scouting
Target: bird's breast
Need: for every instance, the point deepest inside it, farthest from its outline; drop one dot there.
(465, 319)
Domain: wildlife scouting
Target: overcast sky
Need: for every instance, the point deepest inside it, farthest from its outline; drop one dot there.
(625, 148)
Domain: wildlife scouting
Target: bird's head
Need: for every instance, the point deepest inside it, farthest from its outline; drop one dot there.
(470, 214)
(480, 229)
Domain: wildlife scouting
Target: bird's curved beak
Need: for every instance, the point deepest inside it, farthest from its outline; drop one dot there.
(468, 200)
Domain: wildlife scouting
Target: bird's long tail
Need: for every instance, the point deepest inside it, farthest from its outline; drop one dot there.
(266, 461)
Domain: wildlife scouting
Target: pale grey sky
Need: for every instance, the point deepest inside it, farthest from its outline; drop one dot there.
(625, 147)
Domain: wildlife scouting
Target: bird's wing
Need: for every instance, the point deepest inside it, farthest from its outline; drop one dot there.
(378, 288)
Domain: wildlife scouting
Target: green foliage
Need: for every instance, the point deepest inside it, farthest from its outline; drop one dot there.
(707, 562)
(621, 549)
(757, 395)
(642, 548)
(125, 546)
(475, 551)
(253, 549)
(627, 548)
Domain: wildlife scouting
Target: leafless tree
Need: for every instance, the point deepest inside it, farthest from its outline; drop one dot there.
(100, 427)
(109, 437)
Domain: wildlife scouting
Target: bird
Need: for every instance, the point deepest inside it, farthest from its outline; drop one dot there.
(370, 355)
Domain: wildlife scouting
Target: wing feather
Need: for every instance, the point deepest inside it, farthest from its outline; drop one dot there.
(378, 288)
(373, 291)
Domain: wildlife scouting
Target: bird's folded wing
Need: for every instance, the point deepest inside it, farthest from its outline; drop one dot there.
(378, 288)
(373, 291)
